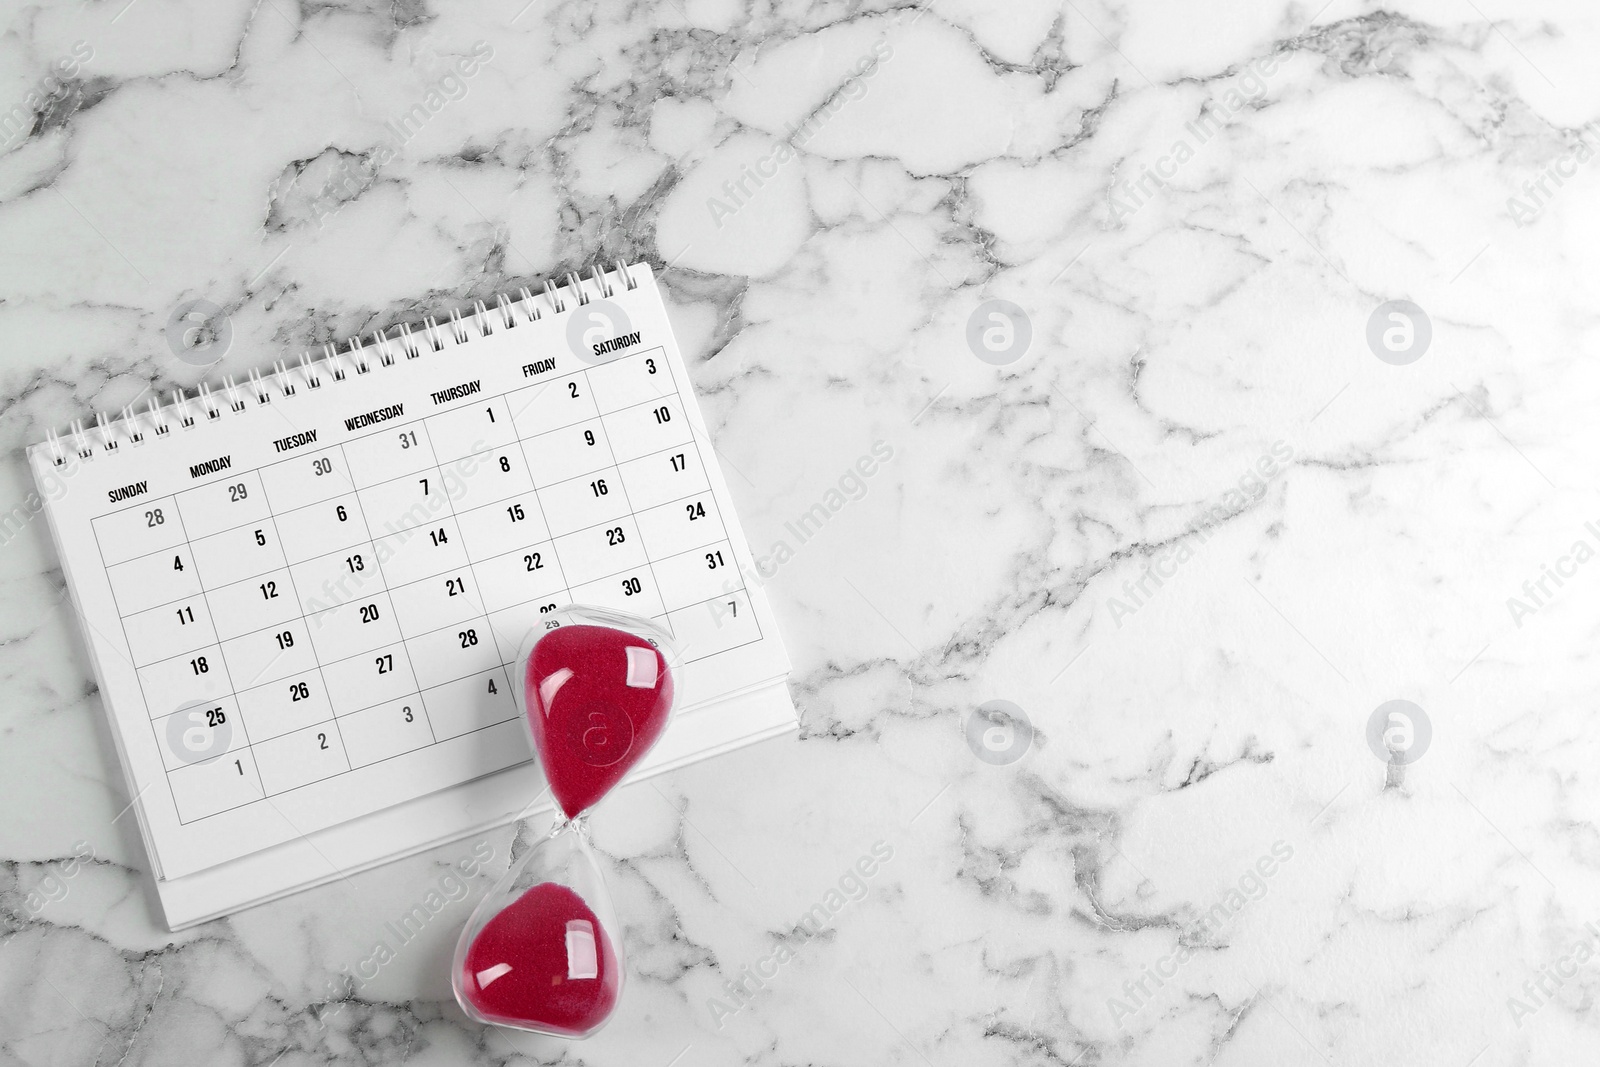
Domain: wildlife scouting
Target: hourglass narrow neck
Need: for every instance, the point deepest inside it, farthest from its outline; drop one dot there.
(577, 824)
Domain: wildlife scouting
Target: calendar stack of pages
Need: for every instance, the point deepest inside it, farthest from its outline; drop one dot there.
(304, 593)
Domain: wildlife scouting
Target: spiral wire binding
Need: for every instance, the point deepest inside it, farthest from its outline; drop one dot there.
(335, 364)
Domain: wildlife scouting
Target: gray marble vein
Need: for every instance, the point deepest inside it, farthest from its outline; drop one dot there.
(1191, 500)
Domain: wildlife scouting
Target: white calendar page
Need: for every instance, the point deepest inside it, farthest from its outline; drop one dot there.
(305, 611)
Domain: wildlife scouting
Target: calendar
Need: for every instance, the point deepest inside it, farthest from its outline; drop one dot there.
(304, 593)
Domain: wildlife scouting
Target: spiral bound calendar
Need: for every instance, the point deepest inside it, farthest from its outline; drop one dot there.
(304, 593)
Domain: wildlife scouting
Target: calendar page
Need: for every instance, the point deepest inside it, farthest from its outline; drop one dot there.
(304, 596)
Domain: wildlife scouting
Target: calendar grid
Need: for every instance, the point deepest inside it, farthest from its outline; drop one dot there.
(174, 600)
(401, 580)
(501, 656)
(471, 569)
(544, 518)
(623, 483)
(122, 621)
(377, 561)
(756, 619)
(308, 785)
(308, 579)
(316, 656)
(700, 456)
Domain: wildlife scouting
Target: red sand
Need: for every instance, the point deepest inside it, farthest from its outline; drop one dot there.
(530, 965)
(591, 727)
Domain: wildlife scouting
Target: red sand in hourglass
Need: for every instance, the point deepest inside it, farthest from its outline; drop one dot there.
(597, 698)
(544, 960)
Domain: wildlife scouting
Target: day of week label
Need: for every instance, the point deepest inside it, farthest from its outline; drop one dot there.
(617, 344)
(210, 466)
(456, 392)
(356, 422)
(128, 492)
(294, 440)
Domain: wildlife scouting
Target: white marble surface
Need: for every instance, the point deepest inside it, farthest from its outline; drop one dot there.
(244, 152)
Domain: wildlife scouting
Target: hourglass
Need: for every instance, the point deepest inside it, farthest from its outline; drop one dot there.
(541, 951)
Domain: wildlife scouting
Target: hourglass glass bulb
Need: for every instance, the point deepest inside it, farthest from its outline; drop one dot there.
(597, 691)
(539, 952)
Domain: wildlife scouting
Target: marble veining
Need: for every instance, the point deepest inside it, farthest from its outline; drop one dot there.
(1191, 500)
